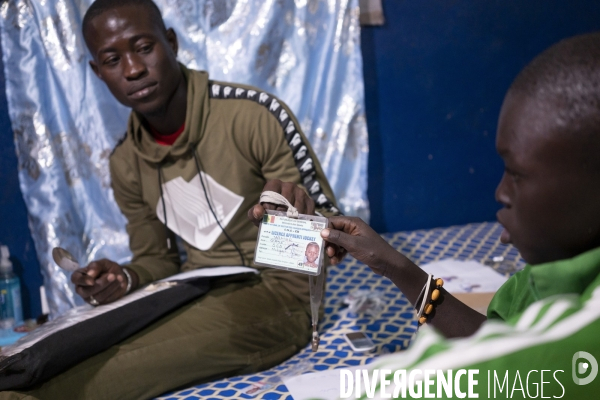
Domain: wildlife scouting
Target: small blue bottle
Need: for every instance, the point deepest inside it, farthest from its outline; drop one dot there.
(11, 309)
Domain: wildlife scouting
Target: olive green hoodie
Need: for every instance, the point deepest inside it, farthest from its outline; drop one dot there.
(238, 137)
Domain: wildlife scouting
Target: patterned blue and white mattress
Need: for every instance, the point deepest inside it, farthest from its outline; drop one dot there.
(391, 330)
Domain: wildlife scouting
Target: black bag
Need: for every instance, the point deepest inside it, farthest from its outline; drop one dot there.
(62, 347)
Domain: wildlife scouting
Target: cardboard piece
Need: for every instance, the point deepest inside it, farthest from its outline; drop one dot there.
(477, 301)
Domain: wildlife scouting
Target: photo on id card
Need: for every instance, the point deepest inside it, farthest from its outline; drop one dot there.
(294, 244)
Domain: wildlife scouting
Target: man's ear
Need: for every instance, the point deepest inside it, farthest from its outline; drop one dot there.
(95, 69)
(172, 39)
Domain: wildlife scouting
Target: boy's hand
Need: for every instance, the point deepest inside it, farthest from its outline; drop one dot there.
(102, 282)
(294, 194)
(355, 236)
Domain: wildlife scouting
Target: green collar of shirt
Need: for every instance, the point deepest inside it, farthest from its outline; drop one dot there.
(538, 282)
(565, 276)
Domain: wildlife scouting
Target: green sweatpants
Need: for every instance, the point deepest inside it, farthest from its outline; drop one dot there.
(236, 328)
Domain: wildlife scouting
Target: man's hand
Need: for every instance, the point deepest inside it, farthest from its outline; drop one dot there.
(294, 194)
(102, 282)
(302, 202)
(355, 236)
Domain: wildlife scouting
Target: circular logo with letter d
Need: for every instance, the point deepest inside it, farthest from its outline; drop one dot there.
(581, 367)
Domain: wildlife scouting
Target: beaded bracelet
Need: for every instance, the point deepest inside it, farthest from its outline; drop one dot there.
(435, 294)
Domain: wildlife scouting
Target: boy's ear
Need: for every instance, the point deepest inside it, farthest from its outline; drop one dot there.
(172, 39)
(95, 69)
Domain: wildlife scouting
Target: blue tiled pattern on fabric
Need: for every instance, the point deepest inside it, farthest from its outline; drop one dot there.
(391, 330)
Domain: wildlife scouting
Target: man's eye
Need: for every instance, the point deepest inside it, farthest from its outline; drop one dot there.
(145, 48)
(111, 60)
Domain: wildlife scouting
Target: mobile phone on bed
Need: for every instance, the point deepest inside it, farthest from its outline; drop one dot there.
(359, 341)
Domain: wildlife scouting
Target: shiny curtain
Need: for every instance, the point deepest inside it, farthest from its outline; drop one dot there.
(66, 122)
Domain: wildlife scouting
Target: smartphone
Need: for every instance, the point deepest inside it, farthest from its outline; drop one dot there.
(359, 341)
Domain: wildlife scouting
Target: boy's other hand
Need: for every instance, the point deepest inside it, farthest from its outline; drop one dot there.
(102, 281)
(360, 240)
(294, 194)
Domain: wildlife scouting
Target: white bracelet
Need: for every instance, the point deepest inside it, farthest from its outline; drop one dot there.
(129, 280)
(426, 287)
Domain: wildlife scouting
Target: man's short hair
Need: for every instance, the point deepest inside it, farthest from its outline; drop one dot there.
(567, 76)
(101, 6)
(312, 244)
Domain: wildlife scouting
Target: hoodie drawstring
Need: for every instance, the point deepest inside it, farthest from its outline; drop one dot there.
(212, 210)
(162, 198)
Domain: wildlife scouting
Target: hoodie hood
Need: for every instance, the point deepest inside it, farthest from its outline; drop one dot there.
(197, 111)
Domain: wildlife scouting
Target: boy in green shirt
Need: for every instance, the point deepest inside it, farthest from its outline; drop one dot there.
(541, 336)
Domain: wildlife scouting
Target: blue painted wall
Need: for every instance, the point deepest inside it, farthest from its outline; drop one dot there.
(14, 231)
(435, 78)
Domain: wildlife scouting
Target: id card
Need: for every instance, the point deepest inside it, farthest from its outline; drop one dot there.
(294, 244)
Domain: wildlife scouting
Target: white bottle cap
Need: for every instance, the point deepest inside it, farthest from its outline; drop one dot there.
(5, 264)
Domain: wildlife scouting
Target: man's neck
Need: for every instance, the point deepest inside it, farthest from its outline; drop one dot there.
(171, 117)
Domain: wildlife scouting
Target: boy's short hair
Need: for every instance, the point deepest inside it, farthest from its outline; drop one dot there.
(101, 6)
(567, 75)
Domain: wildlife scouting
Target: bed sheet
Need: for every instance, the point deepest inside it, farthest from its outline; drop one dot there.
(391, 330)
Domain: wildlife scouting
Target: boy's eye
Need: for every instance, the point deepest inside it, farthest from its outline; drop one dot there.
(511, 173)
